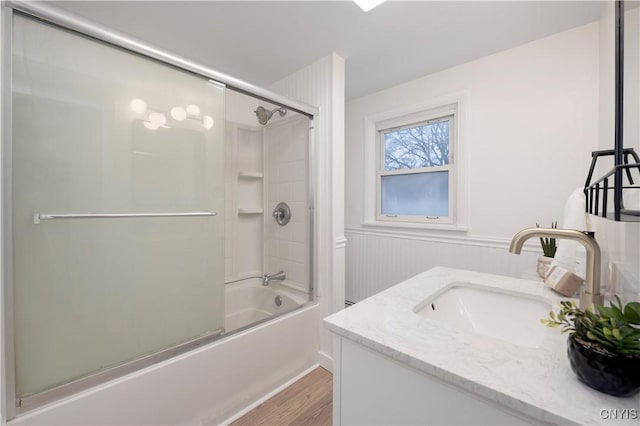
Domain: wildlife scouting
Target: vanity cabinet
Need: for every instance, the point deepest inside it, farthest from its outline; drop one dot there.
(371, 388)
(394, 366)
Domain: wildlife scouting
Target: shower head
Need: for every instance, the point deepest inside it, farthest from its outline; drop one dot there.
(264, 115)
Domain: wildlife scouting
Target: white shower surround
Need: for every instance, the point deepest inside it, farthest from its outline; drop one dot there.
(286, 180)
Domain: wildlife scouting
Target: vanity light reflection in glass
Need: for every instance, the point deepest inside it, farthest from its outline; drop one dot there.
(178, 113)
(157, 118)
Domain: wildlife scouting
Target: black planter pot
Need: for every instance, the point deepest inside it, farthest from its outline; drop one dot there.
(603, 371)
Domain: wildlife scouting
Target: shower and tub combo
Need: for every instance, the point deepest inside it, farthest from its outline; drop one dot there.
(148, 252)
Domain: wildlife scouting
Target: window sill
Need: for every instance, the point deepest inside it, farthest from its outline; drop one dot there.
(416, 226)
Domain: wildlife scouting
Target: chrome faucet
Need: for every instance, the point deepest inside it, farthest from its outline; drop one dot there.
(591, 294)
(279, 276)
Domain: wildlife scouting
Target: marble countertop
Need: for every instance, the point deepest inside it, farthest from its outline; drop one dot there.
(537, 382)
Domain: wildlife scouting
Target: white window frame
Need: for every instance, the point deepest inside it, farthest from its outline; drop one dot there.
(429, 117)
(454, 104)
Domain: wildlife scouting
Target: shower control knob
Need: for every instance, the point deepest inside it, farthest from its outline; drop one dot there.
(282, 214)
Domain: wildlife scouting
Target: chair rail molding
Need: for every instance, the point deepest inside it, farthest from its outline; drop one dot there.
(467, 240)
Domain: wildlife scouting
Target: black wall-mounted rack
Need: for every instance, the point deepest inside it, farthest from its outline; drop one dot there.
(598, 193)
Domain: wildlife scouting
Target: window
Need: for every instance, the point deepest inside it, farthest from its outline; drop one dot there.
(415, 179)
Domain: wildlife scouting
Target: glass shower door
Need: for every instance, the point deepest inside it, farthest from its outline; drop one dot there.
(117, 206)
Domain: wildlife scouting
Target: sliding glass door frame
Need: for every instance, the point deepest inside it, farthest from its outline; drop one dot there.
(7, 381)
(63, 20)
(12, 405)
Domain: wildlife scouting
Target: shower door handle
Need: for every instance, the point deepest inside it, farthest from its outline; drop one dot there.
(37, 217)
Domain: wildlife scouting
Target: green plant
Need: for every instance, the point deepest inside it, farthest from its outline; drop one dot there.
(549, 244)
(615, 329)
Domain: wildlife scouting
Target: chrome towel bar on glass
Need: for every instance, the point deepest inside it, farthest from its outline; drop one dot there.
(41, 216)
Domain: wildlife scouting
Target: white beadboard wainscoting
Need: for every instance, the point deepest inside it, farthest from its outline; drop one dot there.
(322, 84)
(377, 260)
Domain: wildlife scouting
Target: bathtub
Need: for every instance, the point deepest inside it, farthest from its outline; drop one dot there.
(212, 384)
(248, 302)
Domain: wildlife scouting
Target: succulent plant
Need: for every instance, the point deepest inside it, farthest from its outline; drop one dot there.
(615, 329)
(549, 244)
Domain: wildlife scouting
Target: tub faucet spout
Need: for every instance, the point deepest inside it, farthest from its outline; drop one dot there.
(591, 294)
(279, 276)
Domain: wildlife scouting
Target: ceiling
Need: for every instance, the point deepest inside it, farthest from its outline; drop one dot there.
(263, 41)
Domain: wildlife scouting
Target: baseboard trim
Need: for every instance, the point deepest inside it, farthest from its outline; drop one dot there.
(325, 361)
(268, 395)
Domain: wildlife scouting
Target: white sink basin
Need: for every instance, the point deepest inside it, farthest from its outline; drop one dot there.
(501, 314)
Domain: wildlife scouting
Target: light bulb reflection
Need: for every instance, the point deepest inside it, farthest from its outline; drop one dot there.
(157, 118)
(367, 5)
(193, 110)
(207, 122)
(178, 113)
(138, 106)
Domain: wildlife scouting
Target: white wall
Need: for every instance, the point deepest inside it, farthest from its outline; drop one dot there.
(322, 84)
(531, 121)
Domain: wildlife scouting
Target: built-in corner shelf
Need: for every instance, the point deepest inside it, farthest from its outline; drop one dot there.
(250, 175)
(246, 211)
